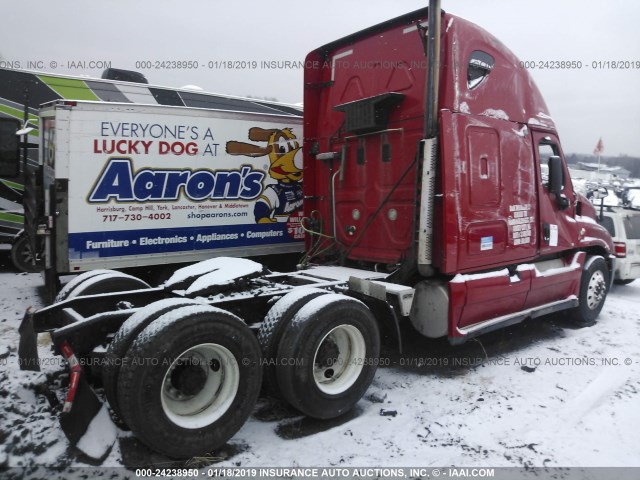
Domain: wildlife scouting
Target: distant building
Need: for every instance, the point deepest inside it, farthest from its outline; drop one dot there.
(591, 172)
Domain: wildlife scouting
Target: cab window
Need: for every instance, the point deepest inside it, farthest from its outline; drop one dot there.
(480, 65)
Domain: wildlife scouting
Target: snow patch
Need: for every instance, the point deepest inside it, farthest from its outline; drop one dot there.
(523, 132)
(100, 435)
(212, 266)
(101, 278)
(585, 219)
(77, 281)
(225, 275)
(169, 318)
(461, 278)
(449, 24)
(317, 304)
(286, 302)
(499, 114)
(134, 320)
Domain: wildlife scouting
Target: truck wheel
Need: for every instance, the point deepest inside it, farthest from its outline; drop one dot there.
(22, 256)
(123, 339)
(106, 282)
(593, 291)
(63, 294)
(331, 350)
(274, 324)
(190, 380)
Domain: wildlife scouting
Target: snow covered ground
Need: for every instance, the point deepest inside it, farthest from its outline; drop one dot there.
(542, 393)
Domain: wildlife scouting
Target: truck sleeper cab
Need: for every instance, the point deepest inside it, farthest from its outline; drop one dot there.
(508, 237)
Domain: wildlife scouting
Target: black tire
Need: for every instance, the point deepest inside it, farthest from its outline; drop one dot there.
(22, 257)
(273, 326)
(331, 351)
(594, 287)
(113, 281)
(163, 386)
(69, 287)
(124, 337)
(624, 282)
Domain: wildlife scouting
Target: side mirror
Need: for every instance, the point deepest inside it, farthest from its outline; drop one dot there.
(556, 175)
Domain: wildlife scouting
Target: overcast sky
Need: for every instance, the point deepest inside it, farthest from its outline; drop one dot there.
(586, 103)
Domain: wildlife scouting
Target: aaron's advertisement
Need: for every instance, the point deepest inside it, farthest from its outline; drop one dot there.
(147, 184)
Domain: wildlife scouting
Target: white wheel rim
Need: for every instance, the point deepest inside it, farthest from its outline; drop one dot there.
(339, 359)
(216, 374)
(596, 290)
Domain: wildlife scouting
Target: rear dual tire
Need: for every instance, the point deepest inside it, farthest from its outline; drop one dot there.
(124, 337)
(330, 354)
(191, 380)
(274, 325)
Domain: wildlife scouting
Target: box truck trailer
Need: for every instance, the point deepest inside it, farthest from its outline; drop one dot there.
(136, 185)
(21, 94)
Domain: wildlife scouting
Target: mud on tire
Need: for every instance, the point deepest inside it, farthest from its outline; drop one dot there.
(332, 346)
(190, 380)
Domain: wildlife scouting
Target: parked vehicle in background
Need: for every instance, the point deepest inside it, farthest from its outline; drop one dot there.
(11, 188)
(624, 227)
(631, 197)
(38, 215)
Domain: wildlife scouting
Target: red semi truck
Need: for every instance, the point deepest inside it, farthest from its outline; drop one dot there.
(435, 194)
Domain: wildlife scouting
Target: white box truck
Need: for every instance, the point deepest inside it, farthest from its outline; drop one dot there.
(127, 185)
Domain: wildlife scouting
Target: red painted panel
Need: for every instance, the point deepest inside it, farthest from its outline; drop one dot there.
(487, 222)
(554, 285)
(488, 296)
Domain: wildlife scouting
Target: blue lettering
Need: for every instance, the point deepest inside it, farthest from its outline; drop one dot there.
(227, 185)
(175, 181)
(119, 182)
(115, 182)
(200, 185)
(252, 184)
(149, 185)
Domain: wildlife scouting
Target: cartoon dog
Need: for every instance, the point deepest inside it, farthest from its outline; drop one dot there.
(278, 201)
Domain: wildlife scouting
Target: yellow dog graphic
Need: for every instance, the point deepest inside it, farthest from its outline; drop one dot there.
(278, 201)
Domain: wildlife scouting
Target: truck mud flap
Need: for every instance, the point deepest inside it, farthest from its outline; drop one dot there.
(28, 346)
(82, 405)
